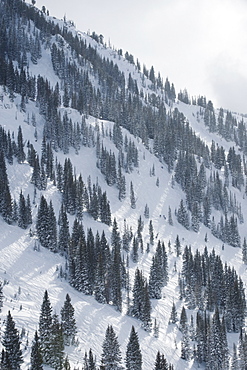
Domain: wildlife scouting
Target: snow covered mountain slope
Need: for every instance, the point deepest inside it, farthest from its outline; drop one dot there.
(27, 268)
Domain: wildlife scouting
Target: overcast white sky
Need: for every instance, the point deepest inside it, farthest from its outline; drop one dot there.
(197, 44)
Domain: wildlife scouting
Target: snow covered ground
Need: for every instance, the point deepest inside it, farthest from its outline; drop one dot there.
(26, 273)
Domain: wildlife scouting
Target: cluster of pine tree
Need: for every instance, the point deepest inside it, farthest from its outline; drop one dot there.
(48, 345)
(116, 103)
(208, 284)
(205, 342)
(53, 335)
(11, 210)
(202, 195)
(111, 355)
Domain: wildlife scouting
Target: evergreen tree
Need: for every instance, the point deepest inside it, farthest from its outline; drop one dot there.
(5, 197)
(36, 357)
(156, 329)
(1, 296)
(170, 216)
(155, 278)
(132, 196)
(22, 216)
(64, 236)
(100, 277)
(158, 272)
(146, 309)
(89, 361)
(11, 343)
(57, 344)
(244, 251)
(146, 211)
(28, 211)
(182, 215)
(45, 328)
(177, 246)
(111, 355)
(116, 278)
(42, 223)
(160, 362)
(174, 315)
(20, 147)
(217, 354)
(68, 322)
(183, 323)
(242, 350)
(115, 235)
(151, 233)
(52, 229)
(133, 359)
(185, 345)
(134, 252)
(66, 364)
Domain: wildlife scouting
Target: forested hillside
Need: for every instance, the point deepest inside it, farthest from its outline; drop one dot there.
(122, 209)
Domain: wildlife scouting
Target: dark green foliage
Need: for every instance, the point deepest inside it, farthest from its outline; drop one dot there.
(160, 362)
(242, 349)
(1, 296)
(24, 212)
(36, 356)
(116, 282)
(89, 361)
(127, 236)
(68, 322)
(11, 343)
(183, 323)
(57, 344)
(45, 329)
(244, 251)
(64, 236)
(205, 279)
(185, 345)
(151, 233)
(178, 246)
(217, 350)
(141, 307)
(182, 215)
(134, 252)
(46, 225)
(20, 147)
(174, 316)
(133, 359)
(132, 196)
(111, 355)
(5, 197)
(158, 272)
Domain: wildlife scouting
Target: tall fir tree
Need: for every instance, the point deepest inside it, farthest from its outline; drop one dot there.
(111, 355)
(45, 328)
(132, 196)
(36, 356)
(133, 359)
(57, 344)
(11, 342)
(5, 196)
(20, 147)
(68, 321)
